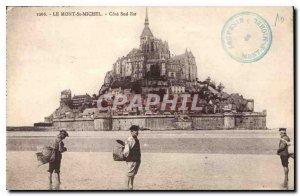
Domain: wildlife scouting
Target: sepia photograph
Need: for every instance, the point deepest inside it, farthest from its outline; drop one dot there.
(150, 98)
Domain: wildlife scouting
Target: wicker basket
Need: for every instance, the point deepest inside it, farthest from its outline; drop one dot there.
(46, 155)
(118, 148)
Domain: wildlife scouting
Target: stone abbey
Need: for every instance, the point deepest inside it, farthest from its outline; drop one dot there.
(150, 69)
(152, 63)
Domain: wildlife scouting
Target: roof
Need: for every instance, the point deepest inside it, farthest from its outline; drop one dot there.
(147, 32)
(178, 58)
(80, 96)
(189, 53)
(134, 52)
(67, 91)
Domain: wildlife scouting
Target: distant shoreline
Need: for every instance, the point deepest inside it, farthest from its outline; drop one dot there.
(28, 128)
(51, 129)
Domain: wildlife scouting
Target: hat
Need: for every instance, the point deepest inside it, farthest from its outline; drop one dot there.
(64, 133)
(134, 128)
(282, 129)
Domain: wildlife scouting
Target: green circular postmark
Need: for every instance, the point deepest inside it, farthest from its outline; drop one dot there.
(246, 37)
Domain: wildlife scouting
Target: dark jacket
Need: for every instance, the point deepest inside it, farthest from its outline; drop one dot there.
(58, 147)
(283, 147)
(132, 151)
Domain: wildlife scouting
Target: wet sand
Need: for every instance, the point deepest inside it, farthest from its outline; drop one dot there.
(158, 171)
(205, 142)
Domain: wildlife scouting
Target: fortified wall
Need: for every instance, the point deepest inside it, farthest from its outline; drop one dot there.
(249, 121)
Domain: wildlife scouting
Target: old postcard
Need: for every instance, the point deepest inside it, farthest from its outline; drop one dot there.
(150, 98)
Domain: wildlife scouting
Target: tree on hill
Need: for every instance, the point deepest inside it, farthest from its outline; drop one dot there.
(207, 80)
(220, 87)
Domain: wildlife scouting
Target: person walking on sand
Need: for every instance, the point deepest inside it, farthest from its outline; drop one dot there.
(132, 155)
(283, 153)
(58, 149)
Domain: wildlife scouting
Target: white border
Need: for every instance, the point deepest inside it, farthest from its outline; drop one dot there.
(4, 3)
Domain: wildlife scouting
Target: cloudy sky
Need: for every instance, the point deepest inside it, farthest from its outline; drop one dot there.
(47, 54)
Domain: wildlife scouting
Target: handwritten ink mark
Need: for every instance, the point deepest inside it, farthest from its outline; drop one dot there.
(279, 19)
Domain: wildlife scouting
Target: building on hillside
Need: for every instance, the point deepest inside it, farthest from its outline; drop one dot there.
(80, 100)
(152, 61)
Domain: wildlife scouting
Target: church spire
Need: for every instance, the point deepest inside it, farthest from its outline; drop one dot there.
(146, 18)
(146, 32)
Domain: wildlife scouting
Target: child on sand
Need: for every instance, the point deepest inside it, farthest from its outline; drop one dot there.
(58, 149)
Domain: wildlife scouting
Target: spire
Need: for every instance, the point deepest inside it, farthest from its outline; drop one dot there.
(146, 32)
(146, 18)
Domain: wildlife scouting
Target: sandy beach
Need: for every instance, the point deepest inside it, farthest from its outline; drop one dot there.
(158, 171)
(186, 160)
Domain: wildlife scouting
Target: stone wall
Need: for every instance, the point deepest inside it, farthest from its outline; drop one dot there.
(208, 122)
(74, 125)
(159, 122)
(182, 125)
(229, 121)
(123, 123)
(250, 121)
(102, 124)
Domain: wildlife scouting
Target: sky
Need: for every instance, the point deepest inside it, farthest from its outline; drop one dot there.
(47, 54)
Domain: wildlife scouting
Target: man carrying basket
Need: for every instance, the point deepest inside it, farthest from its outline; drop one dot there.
(132, 155)
(58, 149)
(283, 152)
